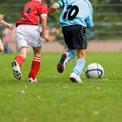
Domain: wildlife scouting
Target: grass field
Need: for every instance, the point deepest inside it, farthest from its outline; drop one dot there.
(55, 99)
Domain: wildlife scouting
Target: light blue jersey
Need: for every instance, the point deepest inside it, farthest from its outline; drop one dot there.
(76, 12)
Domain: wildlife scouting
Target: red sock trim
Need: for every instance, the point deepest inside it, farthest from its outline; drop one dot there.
(38, 59)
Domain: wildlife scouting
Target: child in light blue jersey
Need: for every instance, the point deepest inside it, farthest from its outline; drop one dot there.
(75, 17)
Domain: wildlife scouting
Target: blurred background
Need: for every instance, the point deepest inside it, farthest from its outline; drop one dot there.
(105, 36)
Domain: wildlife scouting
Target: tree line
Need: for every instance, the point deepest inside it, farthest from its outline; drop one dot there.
(105, 12)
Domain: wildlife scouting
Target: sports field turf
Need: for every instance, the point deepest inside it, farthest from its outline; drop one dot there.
(55, 99)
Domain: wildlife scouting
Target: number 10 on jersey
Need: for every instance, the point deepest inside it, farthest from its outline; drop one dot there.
(71, 13)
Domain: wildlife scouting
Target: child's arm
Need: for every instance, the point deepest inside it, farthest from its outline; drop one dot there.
(44, 25)
(89, 19)
(43, 13)
(4, 23)
(44, 33)
(55, 6)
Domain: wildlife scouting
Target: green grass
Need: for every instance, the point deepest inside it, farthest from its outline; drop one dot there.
(55, 99)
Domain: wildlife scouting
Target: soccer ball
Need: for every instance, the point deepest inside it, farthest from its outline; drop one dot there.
(94, 70)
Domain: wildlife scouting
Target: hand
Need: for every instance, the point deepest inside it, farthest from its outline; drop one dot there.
(10, 26)
(1, 17)
(45, 35)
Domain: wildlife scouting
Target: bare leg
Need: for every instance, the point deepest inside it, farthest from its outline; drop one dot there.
(81, 53)
(23, 52)
(1, 46)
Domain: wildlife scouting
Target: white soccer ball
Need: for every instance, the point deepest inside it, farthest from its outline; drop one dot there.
(94, 70)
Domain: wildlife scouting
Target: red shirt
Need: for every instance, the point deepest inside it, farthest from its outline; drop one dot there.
(31, 13)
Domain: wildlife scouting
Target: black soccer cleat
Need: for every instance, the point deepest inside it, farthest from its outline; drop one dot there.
(16, 70)
(62, 63)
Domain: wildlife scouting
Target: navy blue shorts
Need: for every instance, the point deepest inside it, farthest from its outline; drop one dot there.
(75, 37)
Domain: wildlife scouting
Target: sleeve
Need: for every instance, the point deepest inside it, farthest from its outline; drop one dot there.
(89, 19)
(60, 4)
(43, 10)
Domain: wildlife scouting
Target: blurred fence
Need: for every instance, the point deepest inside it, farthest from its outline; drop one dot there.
(110, 22)
(107, 23)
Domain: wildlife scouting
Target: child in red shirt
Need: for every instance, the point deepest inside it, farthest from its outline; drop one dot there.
(28, 33)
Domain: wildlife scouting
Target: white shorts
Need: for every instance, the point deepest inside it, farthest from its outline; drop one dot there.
(28, 35)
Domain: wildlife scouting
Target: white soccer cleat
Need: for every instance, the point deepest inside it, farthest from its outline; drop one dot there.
(75, 78)
(62, 63)
(16, 70)
(32, 81)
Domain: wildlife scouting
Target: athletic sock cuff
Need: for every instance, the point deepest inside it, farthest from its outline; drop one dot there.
(70, 51)
(81, 60)
(20, 57)
(37, 59)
